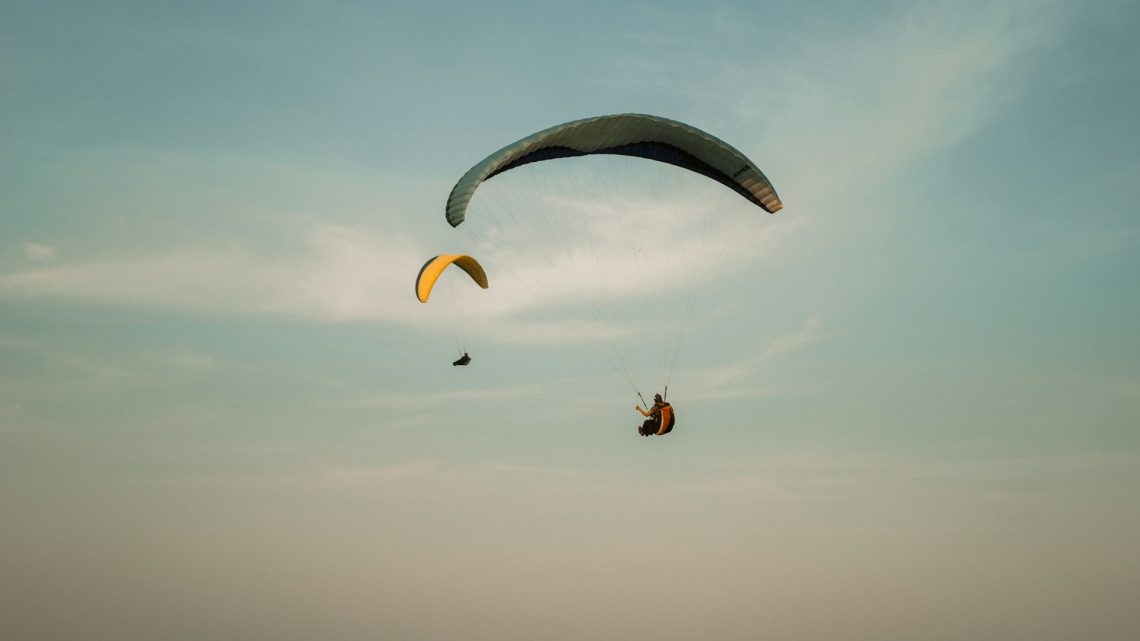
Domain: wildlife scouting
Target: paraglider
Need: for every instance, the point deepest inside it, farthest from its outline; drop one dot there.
(434, 268)
(544, 220)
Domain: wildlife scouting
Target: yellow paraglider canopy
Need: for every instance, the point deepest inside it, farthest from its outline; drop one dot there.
(432, 269)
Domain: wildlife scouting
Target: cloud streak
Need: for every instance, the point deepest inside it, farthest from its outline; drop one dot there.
(360, 274)
(739, 379)
(37, 252)
(345, 274)
(435, 398)
(850, 111)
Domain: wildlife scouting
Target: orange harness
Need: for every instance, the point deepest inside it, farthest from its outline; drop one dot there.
(666, 419)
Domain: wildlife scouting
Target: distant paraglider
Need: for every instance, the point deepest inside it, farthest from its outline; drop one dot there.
(434, 268)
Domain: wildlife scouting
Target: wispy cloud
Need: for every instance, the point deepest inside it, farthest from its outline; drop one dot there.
(345, 274)
(436, 398)
(417, 469)
(349, 274)
(37, 252)
(425, 473)
(739, 379)
(95, 364)
(806, 334)
(851, 110)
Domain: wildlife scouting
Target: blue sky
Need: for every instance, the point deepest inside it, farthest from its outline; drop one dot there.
(910, 409)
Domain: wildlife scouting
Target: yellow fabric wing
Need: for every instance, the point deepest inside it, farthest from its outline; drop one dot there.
(434, 267)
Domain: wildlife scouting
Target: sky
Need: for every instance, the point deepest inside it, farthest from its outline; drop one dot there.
(908, 404)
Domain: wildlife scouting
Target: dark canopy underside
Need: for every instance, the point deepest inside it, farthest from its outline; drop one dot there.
(637, 135)
(659, 151)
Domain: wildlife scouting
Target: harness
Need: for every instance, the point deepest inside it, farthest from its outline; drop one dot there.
(667, 418)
